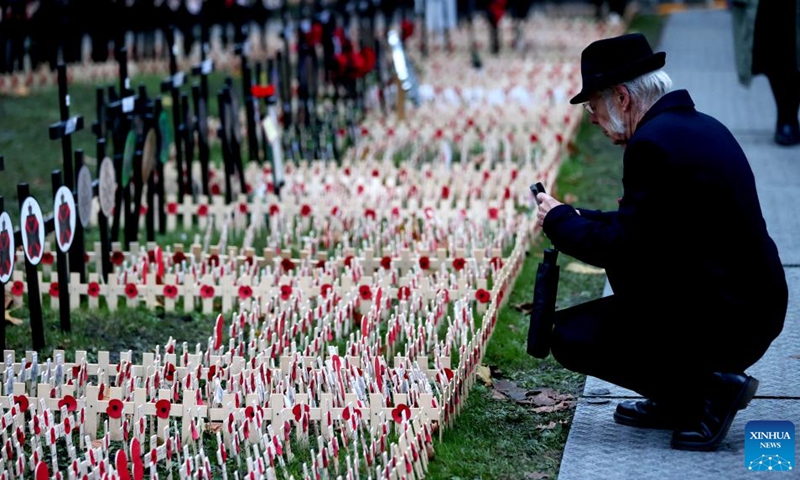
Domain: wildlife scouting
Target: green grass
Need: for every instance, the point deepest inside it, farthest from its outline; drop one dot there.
(492, 438)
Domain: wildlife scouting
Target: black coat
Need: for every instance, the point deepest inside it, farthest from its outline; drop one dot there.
(687, 252)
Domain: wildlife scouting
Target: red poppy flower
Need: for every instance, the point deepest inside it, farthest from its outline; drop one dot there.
(449, 373)
(369, 213)
(213, 260)
(274, 209)
(494, 213)
(386, 263)
(496, 262)
(215, 189)
(250, 412)
(117, 258)
(245, 292)
(406, 28)
(131, 291)
(445, 192)
(172, 208)
(162, 408)
(202, 210)
(69, 402)
(424, 263)
(298, 410)
(401, 412)
(324, 289)
(404, 293)
(47, 258)
(262, 91)
(169, 372)
(170, 291)
(348, 260)
(17, 288)
(207, 291)
(212, 370)
(365, 292)
(483, 295)
(54, 289)
(286, 292)
(242, 208)
(459, 263)
(320, 264)
(287, 264)
(305, 210)
(178, 257)
(114, 409)
(93, 290)
(349, 412)
(22, 401)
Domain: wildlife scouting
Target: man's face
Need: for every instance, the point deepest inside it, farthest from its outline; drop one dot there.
(606, 113)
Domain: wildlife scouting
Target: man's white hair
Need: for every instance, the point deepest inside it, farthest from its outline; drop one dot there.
(645, 90)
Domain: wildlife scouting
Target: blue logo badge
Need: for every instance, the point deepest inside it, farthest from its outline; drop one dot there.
(769, 445)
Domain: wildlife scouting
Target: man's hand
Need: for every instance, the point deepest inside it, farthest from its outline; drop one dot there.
(546, 203)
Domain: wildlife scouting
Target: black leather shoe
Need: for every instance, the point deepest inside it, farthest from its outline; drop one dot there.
(729, 393)
(787, 134)
(645, 414)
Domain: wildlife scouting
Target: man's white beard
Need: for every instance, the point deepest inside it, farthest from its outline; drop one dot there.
(615, 123)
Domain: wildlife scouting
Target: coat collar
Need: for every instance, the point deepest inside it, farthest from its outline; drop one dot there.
(677, 99)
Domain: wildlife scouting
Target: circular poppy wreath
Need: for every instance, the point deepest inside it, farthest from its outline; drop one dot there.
(93, 290)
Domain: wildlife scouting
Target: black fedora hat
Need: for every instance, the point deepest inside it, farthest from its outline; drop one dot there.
(611, 61)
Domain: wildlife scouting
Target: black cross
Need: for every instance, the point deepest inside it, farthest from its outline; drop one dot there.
(63, 130)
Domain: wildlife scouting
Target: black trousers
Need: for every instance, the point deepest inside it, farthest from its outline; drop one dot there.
(661, 361)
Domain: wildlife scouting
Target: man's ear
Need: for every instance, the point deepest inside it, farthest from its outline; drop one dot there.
(622, 96)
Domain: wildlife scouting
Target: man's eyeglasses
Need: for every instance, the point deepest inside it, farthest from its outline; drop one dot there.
(588, 108)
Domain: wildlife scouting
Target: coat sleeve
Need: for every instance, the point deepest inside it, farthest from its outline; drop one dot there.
(604, 239)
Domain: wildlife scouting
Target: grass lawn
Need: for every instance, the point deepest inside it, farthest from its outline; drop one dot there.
(494, 437)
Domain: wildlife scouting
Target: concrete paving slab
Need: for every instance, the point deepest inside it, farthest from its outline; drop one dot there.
(608, 451)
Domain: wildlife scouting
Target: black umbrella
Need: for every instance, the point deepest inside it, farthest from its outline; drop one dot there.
(544, 298)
